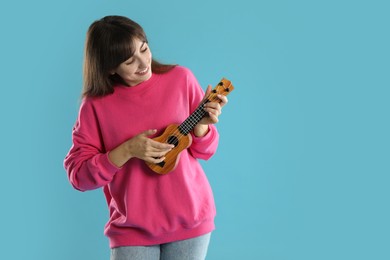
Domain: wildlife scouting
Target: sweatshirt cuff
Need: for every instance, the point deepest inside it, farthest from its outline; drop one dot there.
(108, 165)
(208, 137)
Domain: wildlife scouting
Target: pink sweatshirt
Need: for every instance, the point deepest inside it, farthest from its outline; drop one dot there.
(145, 208)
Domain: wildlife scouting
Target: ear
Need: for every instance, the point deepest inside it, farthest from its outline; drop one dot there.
(112, 72)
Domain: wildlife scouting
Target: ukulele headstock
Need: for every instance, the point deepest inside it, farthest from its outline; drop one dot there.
(224, 87)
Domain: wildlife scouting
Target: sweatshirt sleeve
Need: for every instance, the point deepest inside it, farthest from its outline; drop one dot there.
(202, 147)
(87, 163)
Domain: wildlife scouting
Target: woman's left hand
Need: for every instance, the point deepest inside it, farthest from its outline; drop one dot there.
(214, 110)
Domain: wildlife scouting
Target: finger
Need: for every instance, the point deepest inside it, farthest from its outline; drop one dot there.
(154, 159)
(213, 105)
(149, 132)
(157, 146)
(213, 111)
(224, 99)
(208, 90)
(156, 154)
(213, 108)
(213, 118)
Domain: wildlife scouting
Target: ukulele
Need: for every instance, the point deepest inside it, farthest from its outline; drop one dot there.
(179, 136)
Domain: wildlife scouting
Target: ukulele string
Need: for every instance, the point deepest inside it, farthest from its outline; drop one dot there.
(197, 117)
(191, 120)
(185, 127)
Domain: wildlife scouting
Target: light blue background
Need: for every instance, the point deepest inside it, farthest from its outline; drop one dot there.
(302, 171)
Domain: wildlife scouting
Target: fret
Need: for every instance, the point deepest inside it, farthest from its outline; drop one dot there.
(186, 127)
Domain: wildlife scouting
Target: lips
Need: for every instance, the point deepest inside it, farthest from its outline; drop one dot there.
(143, 72)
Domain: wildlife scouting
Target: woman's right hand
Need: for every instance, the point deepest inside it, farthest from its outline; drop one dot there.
(141, 147)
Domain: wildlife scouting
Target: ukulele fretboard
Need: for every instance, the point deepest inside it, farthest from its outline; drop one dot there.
(224, 87)
(193, 119)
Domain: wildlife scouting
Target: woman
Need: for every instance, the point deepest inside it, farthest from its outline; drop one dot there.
(128, 98)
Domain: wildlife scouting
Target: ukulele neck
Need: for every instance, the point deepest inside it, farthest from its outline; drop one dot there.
(186, 127)
(224, 87)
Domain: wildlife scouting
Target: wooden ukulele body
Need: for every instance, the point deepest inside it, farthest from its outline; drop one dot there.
(173, 136)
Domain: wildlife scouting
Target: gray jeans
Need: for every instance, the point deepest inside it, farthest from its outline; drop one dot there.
(189, 249)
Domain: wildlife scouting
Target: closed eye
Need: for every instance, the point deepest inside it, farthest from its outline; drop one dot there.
(144, 47)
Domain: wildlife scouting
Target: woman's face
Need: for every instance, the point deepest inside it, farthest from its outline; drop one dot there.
(138, 67)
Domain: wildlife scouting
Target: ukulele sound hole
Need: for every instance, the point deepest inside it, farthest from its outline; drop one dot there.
(173, 140)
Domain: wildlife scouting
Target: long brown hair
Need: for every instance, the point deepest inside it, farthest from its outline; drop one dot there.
(109, 42)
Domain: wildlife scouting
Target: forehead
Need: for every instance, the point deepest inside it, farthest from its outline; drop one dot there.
(138, 42)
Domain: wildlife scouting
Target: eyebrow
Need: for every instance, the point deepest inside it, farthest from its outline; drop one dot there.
(142, 45)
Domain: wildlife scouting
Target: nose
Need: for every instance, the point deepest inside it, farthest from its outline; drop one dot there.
(142, 60)
(142, 63)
